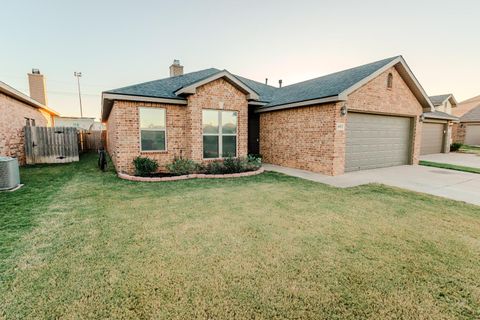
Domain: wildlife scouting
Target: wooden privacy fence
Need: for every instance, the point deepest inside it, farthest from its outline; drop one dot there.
(50, 145)
(91, 140)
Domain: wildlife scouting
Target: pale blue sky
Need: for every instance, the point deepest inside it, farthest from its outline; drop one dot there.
(117, 43)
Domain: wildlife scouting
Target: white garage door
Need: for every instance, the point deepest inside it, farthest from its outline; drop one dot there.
(432, 138)
(375, 141)
(472, 136)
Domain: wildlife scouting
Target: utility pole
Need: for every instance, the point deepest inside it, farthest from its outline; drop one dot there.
(78, 75)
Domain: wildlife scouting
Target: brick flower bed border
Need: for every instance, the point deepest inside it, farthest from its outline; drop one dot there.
(191, 176)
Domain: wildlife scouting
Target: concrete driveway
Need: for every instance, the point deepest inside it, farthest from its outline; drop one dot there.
(450, 184)
(457, 158)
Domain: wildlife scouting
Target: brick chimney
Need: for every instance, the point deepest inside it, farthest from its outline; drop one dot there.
(38, 89)
(176, 69)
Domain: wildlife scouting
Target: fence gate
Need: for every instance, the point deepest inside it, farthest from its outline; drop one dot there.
(50, 145)
(91, 140)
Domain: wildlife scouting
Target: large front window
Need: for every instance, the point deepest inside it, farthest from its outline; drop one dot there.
(152, 129)
(219, 134)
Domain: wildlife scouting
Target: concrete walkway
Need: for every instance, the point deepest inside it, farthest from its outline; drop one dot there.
(450, 184)
(457, 158)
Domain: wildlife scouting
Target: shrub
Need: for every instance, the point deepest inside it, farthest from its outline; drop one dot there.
(234, 165)
(145, 167)
(254, 161)
(183, 166)
(215, 167)
(455, 146)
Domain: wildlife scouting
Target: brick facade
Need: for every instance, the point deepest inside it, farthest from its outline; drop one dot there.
(306, 137)
(184, 126)
(12, 121)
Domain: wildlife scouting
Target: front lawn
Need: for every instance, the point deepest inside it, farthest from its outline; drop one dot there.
(78, 243)
(449, 166)
(470, 149)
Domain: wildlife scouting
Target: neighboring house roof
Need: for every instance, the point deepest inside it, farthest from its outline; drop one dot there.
(14, 93)
(472, 116)
(329, 88)
(440, 99)
(440, 116)
(467, 105)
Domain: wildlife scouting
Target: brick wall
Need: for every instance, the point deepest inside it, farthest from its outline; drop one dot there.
(302, 138)
(12, 121)
(218, 95)
(184, 126)
(306, 137)
(123, 134)
(459, 130)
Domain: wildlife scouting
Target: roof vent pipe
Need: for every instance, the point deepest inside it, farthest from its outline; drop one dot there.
(266, 80)
(280, 83)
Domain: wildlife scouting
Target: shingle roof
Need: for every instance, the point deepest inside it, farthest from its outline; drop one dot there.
(265, 91)
(439, 99)
(472, 115)
(326, 86)
(465, 106)
(439, 115)
(165, 88)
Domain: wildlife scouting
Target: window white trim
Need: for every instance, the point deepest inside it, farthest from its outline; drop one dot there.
(220, 134)
(140, 129)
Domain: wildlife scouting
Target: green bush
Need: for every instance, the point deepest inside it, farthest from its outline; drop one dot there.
(145, 167)
(215, 167)
(455, 146)
(234, 165)
(183, 166)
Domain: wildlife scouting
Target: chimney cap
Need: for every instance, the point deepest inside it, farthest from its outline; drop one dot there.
(176, 62)
(35, 71)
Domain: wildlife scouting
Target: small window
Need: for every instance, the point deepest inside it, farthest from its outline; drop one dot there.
(27, 122)
(32, 122)
(152, 129)
(219, 134)
(390, 81)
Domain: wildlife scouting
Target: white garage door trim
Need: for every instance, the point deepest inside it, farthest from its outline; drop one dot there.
(376, 141)
(433, 135)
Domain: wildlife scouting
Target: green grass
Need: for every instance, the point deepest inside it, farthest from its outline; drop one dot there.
(470, 149)
(449, 166)
(79, 243)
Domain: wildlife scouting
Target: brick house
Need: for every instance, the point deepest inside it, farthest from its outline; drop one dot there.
(19, 110)
(438, 125)
(467, 131)
(361, 118)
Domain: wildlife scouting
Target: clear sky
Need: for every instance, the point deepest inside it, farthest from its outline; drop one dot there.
(118, 43)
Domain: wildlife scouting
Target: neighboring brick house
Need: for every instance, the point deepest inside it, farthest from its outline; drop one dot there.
(468, 130)
(18, 110)
(361, 118)
(438, 125)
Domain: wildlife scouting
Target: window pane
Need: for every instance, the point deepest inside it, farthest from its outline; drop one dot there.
(210, 147)
(153, 140)
(210, 121)
(152, 118)
(229, 146)
(229, 122)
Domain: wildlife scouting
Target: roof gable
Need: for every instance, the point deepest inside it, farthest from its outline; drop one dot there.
(224, 74)
(440, 99)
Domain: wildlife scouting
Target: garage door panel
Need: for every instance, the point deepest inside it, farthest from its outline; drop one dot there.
(375, 141)
(432, 138)
(472, 135)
